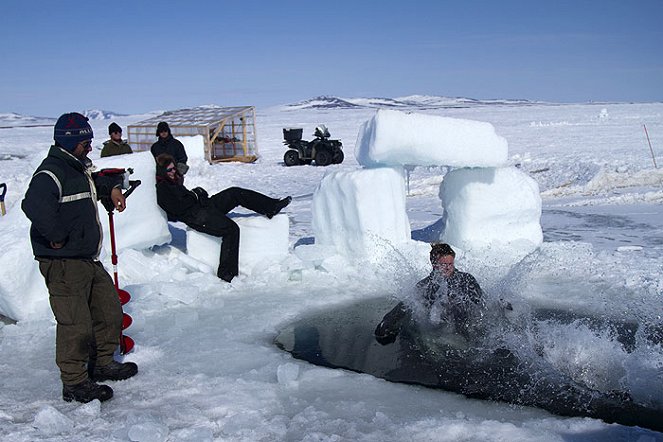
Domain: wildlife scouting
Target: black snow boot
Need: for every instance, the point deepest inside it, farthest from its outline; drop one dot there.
(86, 391)
(280, 205)
(115, 371)
(226, 276)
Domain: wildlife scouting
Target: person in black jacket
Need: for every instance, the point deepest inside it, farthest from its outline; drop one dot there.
(208, 214)
(447, 295)
(61, 203)
(171, 146)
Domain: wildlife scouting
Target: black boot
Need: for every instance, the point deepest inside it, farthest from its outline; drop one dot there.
(226, 276)
(86, 391)
(115, 371)
(280, 205)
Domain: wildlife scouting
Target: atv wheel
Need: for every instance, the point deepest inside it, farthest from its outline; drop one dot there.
(291, 158)
(338, 156)
(323, 158)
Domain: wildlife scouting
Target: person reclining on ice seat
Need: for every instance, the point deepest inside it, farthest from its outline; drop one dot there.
(455, 295)
(209, 214)
(66, 236)
(116, 145)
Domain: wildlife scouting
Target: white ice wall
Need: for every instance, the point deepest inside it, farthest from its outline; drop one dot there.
(262, 241)
(23, 293)
(355, 211)
(142, 224)
(399, 138)
(492, 212)
(194, 146)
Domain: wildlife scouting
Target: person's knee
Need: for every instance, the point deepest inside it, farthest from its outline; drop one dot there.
(234, 190)
(233, 228)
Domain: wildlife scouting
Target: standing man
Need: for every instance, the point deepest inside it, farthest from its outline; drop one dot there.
(171, 146)
(66, 236)
(116, 145)
(455, 297)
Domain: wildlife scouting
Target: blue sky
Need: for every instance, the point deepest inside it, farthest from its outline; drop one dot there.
(138, 56)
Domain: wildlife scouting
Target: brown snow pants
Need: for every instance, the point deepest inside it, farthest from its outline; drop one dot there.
(88, 314)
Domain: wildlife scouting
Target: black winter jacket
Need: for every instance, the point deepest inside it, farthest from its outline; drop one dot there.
(172, 147)
(61, 203)
(461, 288)
(182, 204)
(459, 296)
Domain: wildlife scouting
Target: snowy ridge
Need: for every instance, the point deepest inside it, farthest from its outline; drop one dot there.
(99, 114)
(410, 101)
(323, 102)
(12, 119)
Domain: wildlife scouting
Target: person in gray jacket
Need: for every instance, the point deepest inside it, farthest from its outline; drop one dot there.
(454, 296)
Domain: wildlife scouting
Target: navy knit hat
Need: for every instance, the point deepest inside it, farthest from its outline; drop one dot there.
(71, 129)
(114, 127)
(163, 127)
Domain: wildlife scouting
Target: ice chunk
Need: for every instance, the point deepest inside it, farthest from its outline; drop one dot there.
(261, 240)
(194, 146)
(50, 421)
(398, 138)
(92, 408)
(360, 211)
(492, 212)
(142, 224)
(196, 434)
(148, 432)
(287, 374)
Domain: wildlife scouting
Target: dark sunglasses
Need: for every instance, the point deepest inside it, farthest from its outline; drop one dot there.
(86, 143)
(171, 169)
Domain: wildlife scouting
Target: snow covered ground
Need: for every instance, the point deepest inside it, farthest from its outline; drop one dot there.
(208, 366)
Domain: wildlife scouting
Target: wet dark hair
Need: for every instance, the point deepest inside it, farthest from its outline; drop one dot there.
(440, 249)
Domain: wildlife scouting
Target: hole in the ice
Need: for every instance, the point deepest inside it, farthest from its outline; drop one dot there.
(505, 369)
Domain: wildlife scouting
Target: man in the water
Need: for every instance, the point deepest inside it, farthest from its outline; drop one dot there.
(447, 295)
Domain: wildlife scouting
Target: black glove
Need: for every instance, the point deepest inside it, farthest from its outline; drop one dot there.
(387, 330)
(182, 168)
(200, 193)
(384, 335)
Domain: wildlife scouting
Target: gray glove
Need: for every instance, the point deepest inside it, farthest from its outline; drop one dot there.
(182, 168)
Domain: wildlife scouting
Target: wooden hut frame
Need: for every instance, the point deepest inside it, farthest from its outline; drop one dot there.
(229, 133)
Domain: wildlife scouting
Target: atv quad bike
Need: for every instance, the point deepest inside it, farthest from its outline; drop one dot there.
(321, 149)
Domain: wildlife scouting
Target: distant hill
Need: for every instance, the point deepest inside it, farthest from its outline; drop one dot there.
(12, 119)
(411, 101)
(323, 102)
(98, 114)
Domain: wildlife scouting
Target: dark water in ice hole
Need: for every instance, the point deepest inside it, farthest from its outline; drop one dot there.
(342, 337)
